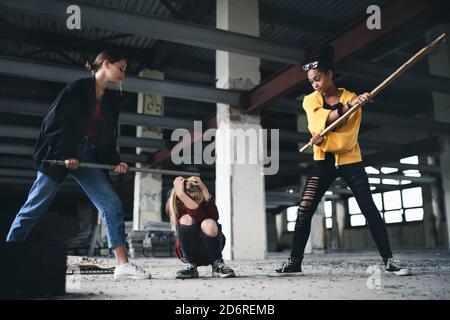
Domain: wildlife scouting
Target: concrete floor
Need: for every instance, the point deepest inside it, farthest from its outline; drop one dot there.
(327, 276)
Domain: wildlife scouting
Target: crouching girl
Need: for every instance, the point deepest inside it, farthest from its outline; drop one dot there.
(200, 241)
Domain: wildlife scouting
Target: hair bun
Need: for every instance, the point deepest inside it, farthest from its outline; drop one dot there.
(324, 53)
(89, 66)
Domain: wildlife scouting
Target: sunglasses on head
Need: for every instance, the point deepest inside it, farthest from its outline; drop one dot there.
(309, 66)
(189, 186)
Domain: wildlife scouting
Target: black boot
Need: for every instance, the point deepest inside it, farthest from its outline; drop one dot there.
(220, 269)
(188, 272)
(293, 266)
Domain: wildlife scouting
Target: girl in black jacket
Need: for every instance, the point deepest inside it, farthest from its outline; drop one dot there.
(81, 125)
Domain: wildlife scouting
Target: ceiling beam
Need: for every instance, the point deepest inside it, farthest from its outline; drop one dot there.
(359, 69)
(165, 29)
(56, 73)
(188, 12)
(25, 132)
(394, 14)
(370, 117)
(378, 72)
(180, 114)
(15, 149)
(164, 122)
(297, 20)
(125, 118)
(15, 162)
(51, 40)
(420, 167)
(426, 146)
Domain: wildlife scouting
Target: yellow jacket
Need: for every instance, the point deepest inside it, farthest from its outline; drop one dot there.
(344, 141)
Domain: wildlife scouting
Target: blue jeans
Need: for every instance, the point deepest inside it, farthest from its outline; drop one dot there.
(95, 184)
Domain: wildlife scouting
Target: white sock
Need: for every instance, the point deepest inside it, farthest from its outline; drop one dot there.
(123, 265)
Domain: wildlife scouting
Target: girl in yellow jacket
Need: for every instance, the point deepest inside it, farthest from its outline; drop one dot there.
(336, 155)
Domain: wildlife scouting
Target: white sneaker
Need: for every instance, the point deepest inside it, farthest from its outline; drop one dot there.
(130, 271)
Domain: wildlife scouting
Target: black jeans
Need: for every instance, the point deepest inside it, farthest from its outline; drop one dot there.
(322, 176)
(198, 247)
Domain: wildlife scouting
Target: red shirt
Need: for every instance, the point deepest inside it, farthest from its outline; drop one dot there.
(205, 210)
(91, 129)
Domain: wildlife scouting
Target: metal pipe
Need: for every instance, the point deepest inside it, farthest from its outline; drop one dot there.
(130, 169)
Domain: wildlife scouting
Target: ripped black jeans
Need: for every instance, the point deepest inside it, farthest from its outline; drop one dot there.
(322, 176)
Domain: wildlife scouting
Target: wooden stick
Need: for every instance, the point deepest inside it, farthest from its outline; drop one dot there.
(130, 169)
(382, 85)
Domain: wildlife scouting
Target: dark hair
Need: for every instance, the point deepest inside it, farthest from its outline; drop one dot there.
(324, 56)
(94, 66)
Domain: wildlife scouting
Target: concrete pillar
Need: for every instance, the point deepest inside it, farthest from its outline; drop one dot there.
(240, 191)
(281, 221)
(429, 226)
(148, 187)
(341, 217)
(439, 63)
(101, 230)
(317, 238)
(429, 218)
(436, 208)
(272, 237)
(335, 238)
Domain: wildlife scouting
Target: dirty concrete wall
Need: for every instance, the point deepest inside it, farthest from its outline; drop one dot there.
(406, 236)
(401, 236)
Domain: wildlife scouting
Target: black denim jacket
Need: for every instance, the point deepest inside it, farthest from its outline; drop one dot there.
(65, 122)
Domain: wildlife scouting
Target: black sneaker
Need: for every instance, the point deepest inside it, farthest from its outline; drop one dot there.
(293, 266)
(394, 267)
(220, 269)
(189, 272)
